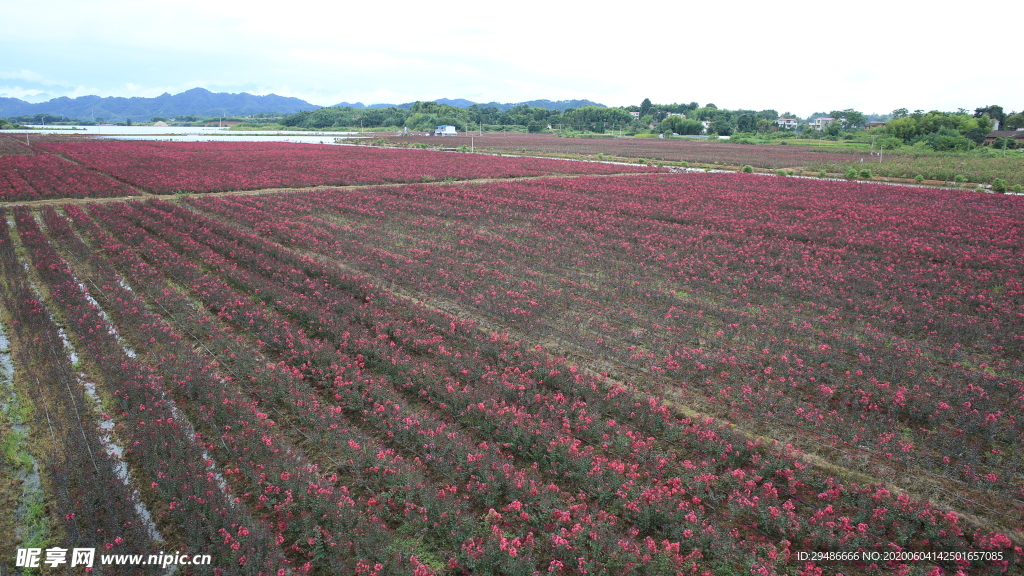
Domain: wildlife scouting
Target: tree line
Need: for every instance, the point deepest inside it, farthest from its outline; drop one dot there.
(599, 119)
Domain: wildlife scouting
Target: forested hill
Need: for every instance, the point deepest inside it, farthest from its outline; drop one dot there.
(196, 102)
(203, 103)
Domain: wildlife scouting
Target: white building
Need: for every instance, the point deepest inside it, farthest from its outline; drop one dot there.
(788, 123)
(445, 131)
(822, 122)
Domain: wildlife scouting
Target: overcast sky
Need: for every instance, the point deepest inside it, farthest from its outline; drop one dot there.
(802, 57)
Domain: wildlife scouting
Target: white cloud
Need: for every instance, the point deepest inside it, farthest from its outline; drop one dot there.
(803, 59)
(26, 94)
(26, 75)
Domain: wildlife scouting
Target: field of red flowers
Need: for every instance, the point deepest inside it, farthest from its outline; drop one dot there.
(765, 297)
(644, 374)
(44, 176)
(941, 166)
(169, 167)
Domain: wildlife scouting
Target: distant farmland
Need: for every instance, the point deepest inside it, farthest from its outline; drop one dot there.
(933, 166)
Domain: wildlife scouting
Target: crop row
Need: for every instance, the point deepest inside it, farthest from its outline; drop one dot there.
(167, 456)
(336, 527)
(81, 475)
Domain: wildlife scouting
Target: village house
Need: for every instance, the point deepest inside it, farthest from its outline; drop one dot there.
(1017, 135)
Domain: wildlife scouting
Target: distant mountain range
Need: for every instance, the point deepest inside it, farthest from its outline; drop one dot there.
(197, 101)
(202, 102)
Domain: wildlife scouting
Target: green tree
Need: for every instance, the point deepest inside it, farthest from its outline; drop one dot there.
(721, 125)
(833, 129)
(994, 112)
(945, 139)
(589, 116)
(704, 113)
(645, 107)
(889, 143)
(976, 135)
(850, 118)
(683, 126)
(746, 123)
(1014, 121)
